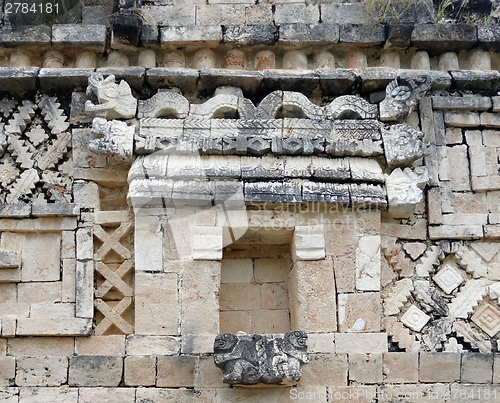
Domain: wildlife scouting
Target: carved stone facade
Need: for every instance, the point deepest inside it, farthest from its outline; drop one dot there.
(264, 198)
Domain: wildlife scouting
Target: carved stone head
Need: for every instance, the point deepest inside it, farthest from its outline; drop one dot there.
(297, 338)
(401, 99)
(224, 342)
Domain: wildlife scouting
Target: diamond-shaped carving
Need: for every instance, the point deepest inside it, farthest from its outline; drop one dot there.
(448, 278)
(415, 318)
(487, 250)
(487, 317)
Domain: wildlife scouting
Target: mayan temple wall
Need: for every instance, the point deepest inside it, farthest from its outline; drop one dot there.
(179, 174)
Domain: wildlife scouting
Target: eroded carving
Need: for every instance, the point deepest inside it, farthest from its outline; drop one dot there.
(404, 189)
(117, 140)
(115, 101)
(252, 359)
(401, 99)
(402, 145)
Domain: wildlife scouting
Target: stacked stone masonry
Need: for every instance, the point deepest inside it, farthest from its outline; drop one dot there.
(249, 168)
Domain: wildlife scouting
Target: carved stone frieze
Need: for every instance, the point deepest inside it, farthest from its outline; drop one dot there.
(252, 359)
(117, 138)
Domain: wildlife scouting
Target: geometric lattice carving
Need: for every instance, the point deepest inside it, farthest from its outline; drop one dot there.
(400, 334)
(487, 317)
(114, 294)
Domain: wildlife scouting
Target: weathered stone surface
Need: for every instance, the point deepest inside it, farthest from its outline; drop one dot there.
(429, 298)
(106, 395)
(368, 263)
(100, 345)
(152, 345)
(359, 312)
(174, 372)
(313, 284)
(360, 343)
(401, 367)
(152, 293)
(472, 336)
(477, 368)
(397, 296)
(41, 371)
(95, 371)
(117, 138)
(48, 395)
(439, 367)
(331, 369)
(365, 368)
(366, 34)
(437, 37)
(140, 370)
(8, 373)
(487, 317)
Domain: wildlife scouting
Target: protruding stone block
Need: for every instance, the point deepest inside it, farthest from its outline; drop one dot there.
(308, 243)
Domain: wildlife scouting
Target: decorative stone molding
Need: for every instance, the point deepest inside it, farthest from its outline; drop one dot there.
(308, 243)
(253, 359)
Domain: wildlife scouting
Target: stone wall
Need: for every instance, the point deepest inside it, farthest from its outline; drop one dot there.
(248, 167)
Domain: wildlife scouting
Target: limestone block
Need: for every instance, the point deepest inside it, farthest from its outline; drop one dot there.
(463, 119)
(152, 345)
(176, 371)
(41, 371)
(236, 270)
(365, 368)
(308, 243)
(361, 343)
(439, 367)
(154, 292)
(231, 297)
(235, 321)
(68, 280)
(41, 346)
(401, 367)
(413, 393)
(496, 368)
(48, 395)
(477, 368)
(53, 327)
(10, 260)
(95, 371)
(368, 263)
(357, 60)
(8, 293)
(359, 312)
(52, 311)
(264, 60)
(199, 297)
(106, 395)
(271, 270)
(312, 296)
(38, 267)
(345, 273)
(325, 369)
(45, 292)
(274, 296)
(100, 345)
(8, 373)
(198, 344)
(140, 370)
(220, 14)
(270, 321)
(207, 243)
(296, 13)
(148, 241)
(157, 395)
(208, 375)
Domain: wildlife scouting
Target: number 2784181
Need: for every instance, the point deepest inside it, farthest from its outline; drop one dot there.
(25, 8)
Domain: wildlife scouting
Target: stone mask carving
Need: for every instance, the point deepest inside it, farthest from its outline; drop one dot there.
(401, 99)
(114, 101)
(252, 359)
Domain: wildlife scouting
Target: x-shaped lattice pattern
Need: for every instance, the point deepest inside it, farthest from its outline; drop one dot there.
(113, 279)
